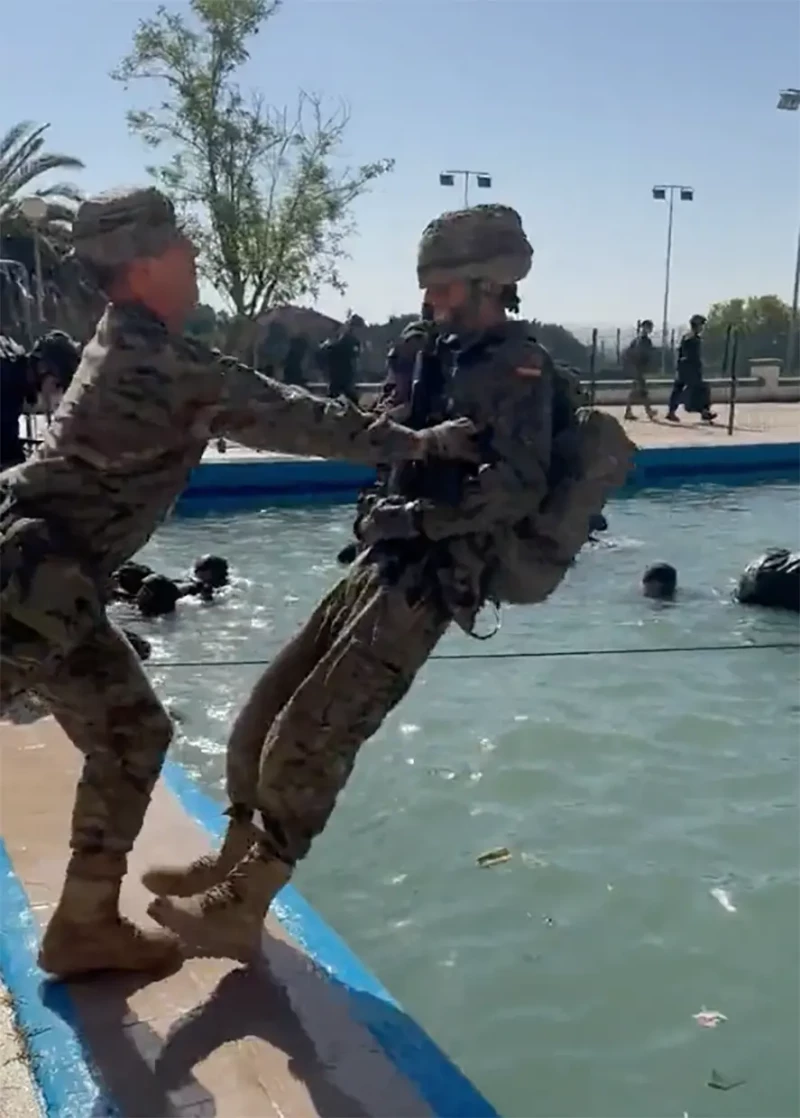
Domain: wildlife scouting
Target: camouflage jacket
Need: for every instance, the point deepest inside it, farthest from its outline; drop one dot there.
(136, 420)
(546, 467)
(505, 383)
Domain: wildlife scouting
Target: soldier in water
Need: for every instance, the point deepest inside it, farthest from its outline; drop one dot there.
(431, 553)
(133, 423)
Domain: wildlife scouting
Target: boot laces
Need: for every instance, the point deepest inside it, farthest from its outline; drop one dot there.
(223, 895)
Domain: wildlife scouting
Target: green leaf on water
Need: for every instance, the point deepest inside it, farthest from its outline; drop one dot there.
(494, 857)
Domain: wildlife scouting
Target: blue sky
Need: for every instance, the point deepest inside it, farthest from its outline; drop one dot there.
(575, 108)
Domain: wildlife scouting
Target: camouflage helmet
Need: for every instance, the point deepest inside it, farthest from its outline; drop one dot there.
(113, 229)
(482, 243)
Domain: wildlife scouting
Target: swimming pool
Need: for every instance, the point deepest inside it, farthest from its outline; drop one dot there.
(627, 788)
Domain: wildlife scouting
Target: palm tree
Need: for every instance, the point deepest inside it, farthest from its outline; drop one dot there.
(22, 162)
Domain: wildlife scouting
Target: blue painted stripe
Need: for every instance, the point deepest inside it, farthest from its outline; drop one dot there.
(448, 1093)
(68, 1085)
(300, 479)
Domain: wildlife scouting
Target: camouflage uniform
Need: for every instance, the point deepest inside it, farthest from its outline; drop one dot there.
(426, 562)
(132, 425)
(636, 363)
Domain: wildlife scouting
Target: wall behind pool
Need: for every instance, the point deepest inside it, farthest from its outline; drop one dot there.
(275, 479)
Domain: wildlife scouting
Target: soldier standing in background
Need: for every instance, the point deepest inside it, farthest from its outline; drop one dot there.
(339, 356)
(689, 387)
(431, 552)
(293, 366)
(637, 362)
(132, 425)
(19, 388)
(55, 358)
(401, 362)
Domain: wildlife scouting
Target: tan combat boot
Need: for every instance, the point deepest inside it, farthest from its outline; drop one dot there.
(86, 932)
(226, 921)
(205, 872)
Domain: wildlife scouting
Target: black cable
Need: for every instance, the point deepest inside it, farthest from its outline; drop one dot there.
(785, 645)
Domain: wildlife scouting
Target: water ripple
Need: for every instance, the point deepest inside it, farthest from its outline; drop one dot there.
(626, 789)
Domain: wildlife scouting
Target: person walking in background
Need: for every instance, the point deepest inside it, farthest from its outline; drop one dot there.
(294, 364)
(339, 357)
(637, 361)
(689, 387)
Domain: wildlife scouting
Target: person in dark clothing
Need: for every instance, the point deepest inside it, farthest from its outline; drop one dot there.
(55, 358)
(339, 356)
(401, 361)
(18, 387)
(637, 362)
(293, 371)
(689, 387)
(156, 595)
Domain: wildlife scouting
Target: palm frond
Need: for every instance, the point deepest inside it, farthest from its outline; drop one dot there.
(65, 191)
(25, 150)
(22, 162)
(13, 136)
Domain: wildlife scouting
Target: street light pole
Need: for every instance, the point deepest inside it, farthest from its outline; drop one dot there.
(789, 100)
(792, 339)
(35, 210)
(448, 178)
(661, 194)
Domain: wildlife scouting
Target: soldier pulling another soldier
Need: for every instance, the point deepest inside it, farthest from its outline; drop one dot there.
(446, 539)
(133, 423)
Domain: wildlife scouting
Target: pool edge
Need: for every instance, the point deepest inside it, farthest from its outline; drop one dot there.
(282, 480)
(440, 1082)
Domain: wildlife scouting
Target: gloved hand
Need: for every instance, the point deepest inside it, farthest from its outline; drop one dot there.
(453, 439)
(391, 520)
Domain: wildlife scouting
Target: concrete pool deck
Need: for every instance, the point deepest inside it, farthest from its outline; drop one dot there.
(765, 442)
(754, 423)
(306, 1032)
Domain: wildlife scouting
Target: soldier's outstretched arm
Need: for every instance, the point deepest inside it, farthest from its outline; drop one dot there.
(518, 410)
(267, 415)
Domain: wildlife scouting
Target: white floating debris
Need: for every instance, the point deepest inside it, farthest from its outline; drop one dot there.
(709, 1018)
(723, 896)
(409, 728)
(534, 860)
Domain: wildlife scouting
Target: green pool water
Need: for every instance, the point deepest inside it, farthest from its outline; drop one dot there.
(627, 788)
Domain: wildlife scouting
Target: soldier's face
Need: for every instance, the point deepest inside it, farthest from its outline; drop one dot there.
(181, 261)
(447, 301)
(167, 283)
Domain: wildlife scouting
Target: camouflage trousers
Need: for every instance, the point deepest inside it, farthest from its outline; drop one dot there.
(327, 692)
(639, 392)
(56, 641)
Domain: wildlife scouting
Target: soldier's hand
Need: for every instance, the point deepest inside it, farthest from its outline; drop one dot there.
(391, 520)
(453, 439)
